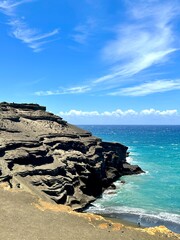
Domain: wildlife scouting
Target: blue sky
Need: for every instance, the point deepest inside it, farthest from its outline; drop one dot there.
(93, 61)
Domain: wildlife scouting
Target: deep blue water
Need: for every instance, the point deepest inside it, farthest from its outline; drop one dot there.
(152, 198)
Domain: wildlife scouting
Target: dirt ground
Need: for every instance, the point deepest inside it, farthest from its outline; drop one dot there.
(25, 217)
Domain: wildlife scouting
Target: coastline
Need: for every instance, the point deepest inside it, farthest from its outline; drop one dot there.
(58, 160)
(158, 156)
(46, 220)
(134, 217)
(68, 166)
(121, 221)
(133, 221)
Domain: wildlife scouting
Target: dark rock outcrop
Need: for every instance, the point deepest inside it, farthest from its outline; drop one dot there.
(58, 161)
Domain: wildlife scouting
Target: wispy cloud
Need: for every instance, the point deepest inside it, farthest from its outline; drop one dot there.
(20, 30)
(149, 88)
(73, 90)
(8, 6)
(82, 32)
(147, 40)
(30, 36)
(119, 113)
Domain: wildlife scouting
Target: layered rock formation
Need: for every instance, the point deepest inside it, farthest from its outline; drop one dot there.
(58, 161)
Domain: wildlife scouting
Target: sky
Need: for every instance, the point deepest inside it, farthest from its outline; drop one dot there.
(93, 61)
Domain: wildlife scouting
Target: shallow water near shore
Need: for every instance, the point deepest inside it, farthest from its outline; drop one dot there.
(149, 199)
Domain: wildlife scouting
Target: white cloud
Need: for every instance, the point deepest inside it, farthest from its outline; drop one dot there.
(30, 36)
(158, 112)
(19, 29)
(149, 88)
(79, 113)
(119, 113)
(73, 90)
(143, 89)
(83, 31)
(146, 42)
(8, 6)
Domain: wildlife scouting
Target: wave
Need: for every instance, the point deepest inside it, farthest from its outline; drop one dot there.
(129, 159)
(133, 153)
(174, 144)
(139, 216)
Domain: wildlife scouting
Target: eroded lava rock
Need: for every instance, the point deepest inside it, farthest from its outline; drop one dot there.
(61, 162)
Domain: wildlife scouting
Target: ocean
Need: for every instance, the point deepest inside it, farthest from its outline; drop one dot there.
(152, 198)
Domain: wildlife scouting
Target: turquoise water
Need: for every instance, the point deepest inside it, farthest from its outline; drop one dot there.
(152, 198)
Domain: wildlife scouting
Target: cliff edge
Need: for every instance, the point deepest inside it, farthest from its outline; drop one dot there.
(55, 160)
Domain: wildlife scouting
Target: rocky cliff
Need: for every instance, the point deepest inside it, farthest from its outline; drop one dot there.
(55, 160)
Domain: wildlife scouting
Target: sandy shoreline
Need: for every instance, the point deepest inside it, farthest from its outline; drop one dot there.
(24, 216)
(134, 220)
